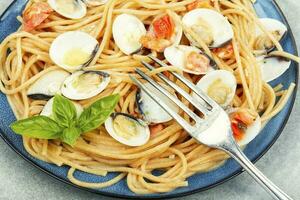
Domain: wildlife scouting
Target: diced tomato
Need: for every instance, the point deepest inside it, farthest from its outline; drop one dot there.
(163, 27)
(224, 52)
(237, 133)
(156, 129)
(197, 62)
(239, 123)
(159, 35)
(35, 15)
(198, 4)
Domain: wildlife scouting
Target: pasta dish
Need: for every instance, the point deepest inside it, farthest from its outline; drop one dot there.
(65, 72)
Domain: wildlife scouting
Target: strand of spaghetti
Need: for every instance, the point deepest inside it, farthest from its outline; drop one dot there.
(162, 69)
(8, 69)
(282, 102)
(232, 11)
(198, 40)
(285, 55)
(242, 75)
(29, 63)
(138, 12)
(27, 83)
(85, 147)
(94, 185)
(255, 74)
(133, 185)
(163, 6)
(100, 27)
(269, 92)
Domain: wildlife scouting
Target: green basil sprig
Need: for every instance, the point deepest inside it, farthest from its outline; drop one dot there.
(65, 124)
(38, 127)
(64, 111)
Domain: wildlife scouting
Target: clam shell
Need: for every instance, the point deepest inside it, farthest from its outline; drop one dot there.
(139, 140)
(80, 8)
(73, 40)
(47, 85)
(127, 31)
(70, 87)
(221, 28)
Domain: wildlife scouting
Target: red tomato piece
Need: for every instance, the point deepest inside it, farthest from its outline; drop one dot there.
(35, 15)
(163, 27)
(239, 123)
(237, 133)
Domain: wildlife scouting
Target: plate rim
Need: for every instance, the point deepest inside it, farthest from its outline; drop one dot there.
(182, 194)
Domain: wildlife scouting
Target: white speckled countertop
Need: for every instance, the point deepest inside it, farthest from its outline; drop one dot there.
(21, 181)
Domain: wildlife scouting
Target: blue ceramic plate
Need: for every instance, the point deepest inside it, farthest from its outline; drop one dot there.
(199, 182)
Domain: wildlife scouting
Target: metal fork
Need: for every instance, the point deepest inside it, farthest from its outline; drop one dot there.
(212, 129)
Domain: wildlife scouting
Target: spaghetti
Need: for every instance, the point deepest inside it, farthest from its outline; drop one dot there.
(24, 58)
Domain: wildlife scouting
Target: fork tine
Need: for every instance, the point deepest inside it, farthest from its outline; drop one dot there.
(199, 105)
(196, 90)
(169, 95)
(169, 110)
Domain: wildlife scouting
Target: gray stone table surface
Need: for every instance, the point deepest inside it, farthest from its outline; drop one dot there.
(19, 180)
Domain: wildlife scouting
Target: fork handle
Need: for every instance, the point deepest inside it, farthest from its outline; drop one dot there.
(234, 150)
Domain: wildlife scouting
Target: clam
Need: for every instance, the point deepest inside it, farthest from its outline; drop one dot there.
(151, 111)
(220, 85)
(245, 126)
(72, 9)
(189, 59)
(73, 50)
(163, 32)
(127, 129)
(85, 84)
(127, 32)
(275, 27)
(47, 85)
(209, 25)
(47, 110)
(273, 67)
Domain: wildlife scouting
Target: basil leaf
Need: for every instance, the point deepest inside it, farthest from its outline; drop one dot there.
(64, 111)
(70, 135)
(41, 127)
(97, 113)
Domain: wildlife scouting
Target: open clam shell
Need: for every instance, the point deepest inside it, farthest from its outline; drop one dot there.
(47, 85)
(189, 59)
(220, 85)
(273, 67)
(127, 32)
(72, 9)
(73, 50)
(151, 111)
(127, 129)
(251, 131)
(275, 27)
(163, 32)
(212, 27)
(85, 84)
